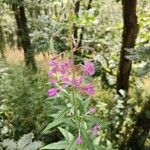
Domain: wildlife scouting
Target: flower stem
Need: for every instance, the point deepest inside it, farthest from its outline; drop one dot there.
(72, 55)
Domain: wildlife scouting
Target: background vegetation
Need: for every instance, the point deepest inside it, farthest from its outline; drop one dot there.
(33, 32)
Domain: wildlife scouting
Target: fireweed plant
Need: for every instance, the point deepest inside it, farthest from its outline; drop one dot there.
(76, 114)
(71, 84)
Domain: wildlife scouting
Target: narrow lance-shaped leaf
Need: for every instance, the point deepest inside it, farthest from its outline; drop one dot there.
(57, 145)
(66, 134)
(54, 124)
(88, 142)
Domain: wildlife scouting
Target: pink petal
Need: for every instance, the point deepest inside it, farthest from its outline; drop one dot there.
(89, 68)
(52, 92)
(79, 140)
(92, 110)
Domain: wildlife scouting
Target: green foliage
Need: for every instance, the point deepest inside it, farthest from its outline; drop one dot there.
(18, 2)
(121, 113)
(141, 55)
(24, 143)
(24, 106)
(23, 102)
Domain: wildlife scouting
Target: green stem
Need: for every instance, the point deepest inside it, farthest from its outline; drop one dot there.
(73, 66)
(77, 119)
(72, 54)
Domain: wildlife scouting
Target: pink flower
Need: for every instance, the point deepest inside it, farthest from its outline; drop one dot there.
(65, 80)
(95, 130)
(77, 82)
(70, 63)
(89, 89)
(89, 68)
(53, 62)
(92, 110)
(63, 71)
(52, 92)
(53, 71)
(66, 66)
(79, 140)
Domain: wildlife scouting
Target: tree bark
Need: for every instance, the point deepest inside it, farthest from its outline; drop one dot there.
(23, 34)
(79, 39)
(130, 31)
(2, 45)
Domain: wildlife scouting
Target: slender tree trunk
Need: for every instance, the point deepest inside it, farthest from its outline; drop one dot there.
(2, 41)
(130, 31)
(78, 41)
(23, 34)
(79, 38)
(2, 45)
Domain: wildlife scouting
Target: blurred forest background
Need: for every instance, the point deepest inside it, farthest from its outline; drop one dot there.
(111, 33)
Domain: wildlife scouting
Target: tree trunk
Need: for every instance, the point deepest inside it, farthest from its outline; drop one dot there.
(2, 45)
(130, 31)
(23, 34)
(79, 39)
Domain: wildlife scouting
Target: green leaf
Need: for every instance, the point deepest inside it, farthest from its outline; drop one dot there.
(70, 123)
(60, 114)
(56, 107)
(97, 120)
(86, 105)
(88, 142)
(54, 124)
(66, 134)
(57, 145)
(144, 70)
(83, 103)
(72, 145)
(97, 141)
